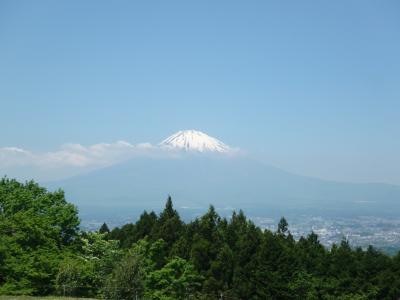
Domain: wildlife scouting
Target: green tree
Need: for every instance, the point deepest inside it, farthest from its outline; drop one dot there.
(169, 225)
(36, 228)
(127, 279)
(102, 253)
(104, 228)
(76, 277)
(176, 280)
(283, 226)
(302, 287)
(164, 258)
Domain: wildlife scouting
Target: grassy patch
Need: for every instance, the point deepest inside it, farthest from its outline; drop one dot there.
(40, 297)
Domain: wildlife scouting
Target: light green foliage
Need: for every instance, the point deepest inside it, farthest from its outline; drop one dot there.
(75, 277)
(127, 279)
(36, 228)
(176, 280)
(84, 272)
(101, 252)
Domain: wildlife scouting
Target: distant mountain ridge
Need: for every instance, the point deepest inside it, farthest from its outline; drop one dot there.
(196, 179)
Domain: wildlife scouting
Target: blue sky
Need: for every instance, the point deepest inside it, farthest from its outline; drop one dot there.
(310, 86)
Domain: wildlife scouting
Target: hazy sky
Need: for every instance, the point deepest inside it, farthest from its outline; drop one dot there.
(310, 86)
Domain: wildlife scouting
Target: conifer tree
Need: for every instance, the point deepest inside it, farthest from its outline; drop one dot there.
(282, 226)
(169, 225)
(104, 228)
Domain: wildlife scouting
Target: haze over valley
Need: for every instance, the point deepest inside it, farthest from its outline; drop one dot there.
(198, 170)
(115, 182)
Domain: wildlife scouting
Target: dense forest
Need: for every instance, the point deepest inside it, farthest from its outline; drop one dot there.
(43, 251)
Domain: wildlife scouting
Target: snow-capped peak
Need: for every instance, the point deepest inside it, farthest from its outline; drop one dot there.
(193, 140)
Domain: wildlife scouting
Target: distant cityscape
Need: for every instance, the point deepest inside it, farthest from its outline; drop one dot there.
(381, 232)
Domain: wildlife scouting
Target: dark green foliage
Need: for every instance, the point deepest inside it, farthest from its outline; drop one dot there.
(104, 228)
(169, 225)
(283, 226)
(130, 233)
(160, 257)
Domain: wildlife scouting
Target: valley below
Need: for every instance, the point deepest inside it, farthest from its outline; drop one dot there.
(382, 232)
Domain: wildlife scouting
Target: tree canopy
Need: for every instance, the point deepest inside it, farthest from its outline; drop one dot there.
(37, 228)
(42, 252)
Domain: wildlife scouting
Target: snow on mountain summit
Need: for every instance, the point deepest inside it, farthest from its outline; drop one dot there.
(193, 140)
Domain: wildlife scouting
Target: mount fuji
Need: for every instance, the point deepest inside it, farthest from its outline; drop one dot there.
(203, 171)
(192, 140)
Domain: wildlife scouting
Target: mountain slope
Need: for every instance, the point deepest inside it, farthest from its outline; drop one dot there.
(195, 180)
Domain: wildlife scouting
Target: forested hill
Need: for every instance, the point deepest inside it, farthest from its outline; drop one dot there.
(42, 251)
